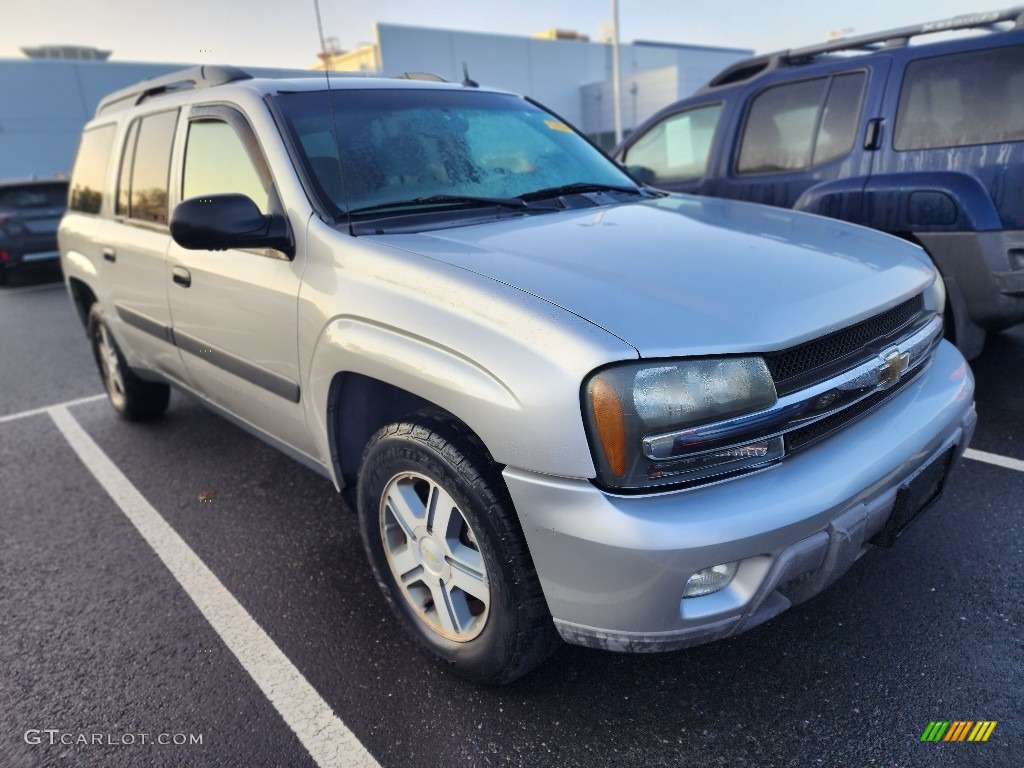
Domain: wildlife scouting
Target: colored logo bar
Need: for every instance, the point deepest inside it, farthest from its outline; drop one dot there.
(958, 730)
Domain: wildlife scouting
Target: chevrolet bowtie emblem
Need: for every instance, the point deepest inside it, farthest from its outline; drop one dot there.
(894, 365)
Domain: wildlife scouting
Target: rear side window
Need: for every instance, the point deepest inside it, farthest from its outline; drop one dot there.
(795, 126)
(90, 170)
(146, 165)
(962, 99)
(677, 148)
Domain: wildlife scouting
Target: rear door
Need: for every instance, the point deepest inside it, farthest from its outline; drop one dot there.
(135, 242)
(800, 133)
(958, 133)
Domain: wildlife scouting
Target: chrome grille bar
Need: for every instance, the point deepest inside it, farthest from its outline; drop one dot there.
(805, 407)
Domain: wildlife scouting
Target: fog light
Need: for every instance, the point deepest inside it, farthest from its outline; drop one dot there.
(707, 581)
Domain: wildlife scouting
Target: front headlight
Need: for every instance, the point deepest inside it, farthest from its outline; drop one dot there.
(935, 295)
(634, 411)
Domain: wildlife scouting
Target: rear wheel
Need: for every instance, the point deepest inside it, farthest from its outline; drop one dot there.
(446, 548)
(133, 398)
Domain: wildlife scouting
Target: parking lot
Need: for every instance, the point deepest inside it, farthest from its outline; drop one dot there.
(177, 593)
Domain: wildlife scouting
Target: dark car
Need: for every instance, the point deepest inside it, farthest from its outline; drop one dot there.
(925, 142)
(30, 211)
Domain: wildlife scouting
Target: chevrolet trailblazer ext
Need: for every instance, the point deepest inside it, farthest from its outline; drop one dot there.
(563, 404)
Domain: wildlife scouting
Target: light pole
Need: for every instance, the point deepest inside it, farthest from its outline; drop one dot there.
(617, 104)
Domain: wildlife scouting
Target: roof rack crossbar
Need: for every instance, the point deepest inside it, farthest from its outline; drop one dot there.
(205, 76)
(893, 38)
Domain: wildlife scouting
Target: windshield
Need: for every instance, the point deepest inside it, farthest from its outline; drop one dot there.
(408, 146)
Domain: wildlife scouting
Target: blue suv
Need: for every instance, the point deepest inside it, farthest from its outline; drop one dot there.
(925, 142)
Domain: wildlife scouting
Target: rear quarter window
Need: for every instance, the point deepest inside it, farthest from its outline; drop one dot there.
(90, 169)
(962, 99)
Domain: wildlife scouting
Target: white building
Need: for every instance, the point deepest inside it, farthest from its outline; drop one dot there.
(46, 99)
(565, 72)
(45, 102)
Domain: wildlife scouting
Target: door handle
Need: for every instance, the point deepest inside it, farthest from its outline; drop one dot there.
(181, 276)
(873, 134)
(109, 254)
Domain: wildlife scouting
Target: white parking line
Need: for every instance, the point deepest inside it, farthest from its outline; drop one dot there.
(321, 732)
(40, 411)
(994, 458)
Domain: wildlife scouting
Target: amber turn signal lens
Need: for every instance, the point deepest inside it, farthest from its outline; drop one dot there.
(610, 423)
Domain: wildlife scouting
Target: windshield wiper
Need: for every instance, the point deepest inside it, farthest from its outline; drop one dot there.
(501, 202)
(580, 187)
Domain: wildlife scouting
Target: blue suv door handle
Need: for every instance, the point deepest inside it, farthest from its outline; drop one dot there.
(873, 134)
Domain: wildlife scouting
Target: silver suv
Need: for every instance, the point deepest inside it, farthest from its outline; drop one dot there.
(562, 404)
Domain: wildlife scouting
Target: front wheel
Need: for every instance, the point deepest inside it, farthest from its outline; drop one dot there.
(133, 398)
(447, 550)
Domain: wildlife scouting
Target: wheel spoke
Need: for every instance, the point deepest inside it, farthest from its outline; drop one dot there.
(116, 375)
(446, 614)
(407, 566)
(406, 507)
(471, 581)
(110, 364)
(440, 512)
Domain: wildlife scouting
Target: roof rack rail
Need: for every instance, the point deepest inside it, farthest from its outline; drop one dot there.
(426, 76)
(205, 76)
(893, 38)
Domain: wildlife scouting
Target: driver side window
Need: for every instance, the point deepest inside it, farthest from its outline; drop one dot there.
(217, 162)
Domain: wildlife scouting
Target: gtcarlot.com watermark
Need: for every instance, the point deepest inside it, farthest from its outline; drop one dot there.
(54, 736)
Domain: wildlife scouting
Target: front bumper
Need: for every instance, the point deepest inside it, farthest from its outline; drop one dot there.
(613, 567)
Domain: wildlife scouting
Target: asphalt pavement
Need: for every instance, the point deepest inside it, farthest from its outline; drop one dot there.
(116, 649)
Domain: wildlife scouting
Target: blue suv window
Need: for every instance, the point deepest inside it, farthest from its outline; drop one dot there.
(962, 99)
(794, 126)
(677, 148)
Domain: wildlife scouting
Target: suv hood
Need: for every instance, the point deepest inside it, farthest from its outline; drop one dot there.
(688, 276)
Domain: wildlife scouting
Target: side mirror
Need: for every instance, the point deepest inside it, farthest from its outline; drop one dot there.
(219, 222)
(641, 173)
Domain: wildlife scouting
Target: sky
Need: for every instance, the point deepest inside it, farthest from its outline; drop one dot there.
(283, 33)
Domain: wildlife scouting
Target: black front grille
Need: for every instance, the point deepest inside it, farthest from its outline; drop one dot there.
(807, 364)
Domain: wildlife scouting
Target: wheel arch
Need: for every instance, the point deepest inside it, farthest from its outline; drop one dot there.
(83, 297)
(357, 407)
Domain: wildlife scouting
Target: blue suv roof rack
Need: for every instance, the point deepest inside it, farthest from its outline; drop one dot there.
(893, 38)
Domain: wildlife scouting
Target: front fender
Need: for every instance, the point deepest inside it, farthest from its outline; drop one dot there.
(508, 364)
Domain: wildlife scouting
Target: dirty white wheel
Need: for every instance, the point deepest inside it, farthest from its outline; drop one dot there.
(132, 397)
(448, 552)
(434, 556)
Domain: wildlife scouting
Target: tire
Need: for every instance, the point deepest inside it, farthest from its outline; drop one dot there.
(133, 399)
(470, 593)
